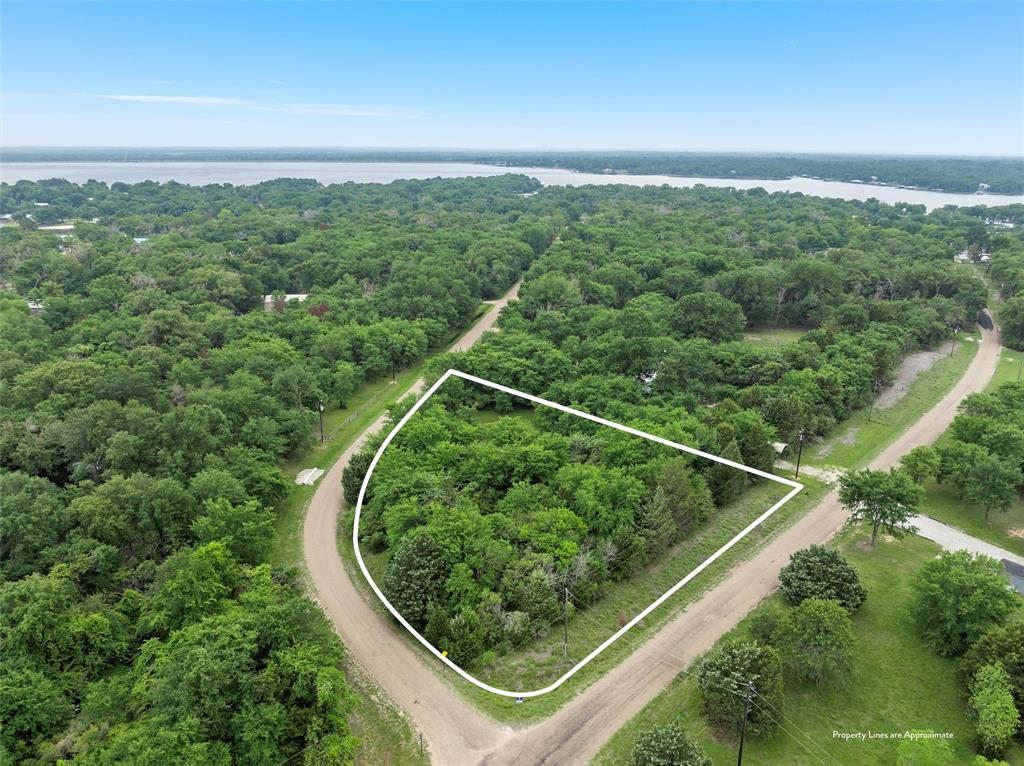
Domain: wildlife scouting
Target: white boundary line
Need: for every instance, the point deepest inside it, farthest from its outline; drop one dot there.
(796, 487)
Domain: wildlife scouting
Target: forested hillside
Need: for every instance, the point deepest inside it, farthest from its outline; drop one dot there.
(150, 397)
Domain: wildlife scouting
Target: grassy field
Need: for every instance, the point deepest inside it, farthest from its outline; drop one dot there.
(853, 443)
(896, 684)
(773, 336)
(1003, 529)
(384, 733)
(602, 619)
(1008, 370)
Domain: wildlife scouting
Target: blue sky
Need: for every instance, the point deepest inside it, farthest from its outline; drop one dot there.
(908, 77)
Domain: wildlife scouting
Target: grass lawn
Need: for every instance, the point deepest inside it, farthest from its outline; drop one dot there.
(383, 731)
(1003, 529)
(538, 659)
(856, 440)
(1008, 369)
(773, 336)
(896, 684)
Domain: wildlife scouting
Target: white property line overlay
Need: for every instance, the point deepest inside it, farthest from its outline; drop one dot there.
(796, 487)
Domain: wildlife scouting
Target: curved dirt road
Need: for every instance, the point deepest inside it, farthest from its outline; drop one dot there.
(455, 731)
(459, 734)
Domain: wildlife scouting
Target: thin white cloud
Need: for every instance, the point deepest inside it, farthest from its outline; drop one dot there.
(307, 109)
(349, 110)
(195, 100)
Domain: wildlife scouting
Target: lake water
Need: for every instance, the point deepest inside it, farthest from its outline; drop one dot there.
(243, 173)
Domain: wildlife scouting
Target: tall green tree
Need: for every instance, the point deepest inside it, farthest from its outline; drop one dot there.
(958, 597)
(885, 500)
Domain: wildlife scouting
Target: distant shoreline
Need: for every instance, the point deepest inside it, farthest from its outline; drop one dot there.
(1002, 176)
(623, 173)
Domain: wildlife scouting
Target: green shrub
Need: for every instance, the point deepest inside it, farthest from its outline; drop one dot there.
(960, 596)
(816, 639)
(729, 674)
(667, 745)
(821, 572)
(991, 704)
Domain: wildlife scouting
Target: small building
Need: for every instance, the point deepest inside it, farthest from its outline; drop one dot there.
(276, 302)
(646, 379)
(139, 240)
(35, 308)
(963, 257)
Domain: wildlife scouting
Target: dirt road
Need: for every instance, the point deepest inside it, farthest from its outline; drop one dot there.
(459, 734)
(455, 731)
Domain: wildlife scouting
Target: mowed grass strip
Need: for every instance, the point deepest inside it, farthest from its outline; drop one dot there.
(896, 684)
(534, 660)
(1003, 529)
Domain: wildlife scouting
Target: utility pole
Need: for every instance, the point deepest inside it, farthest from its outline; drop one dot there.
(876, 387)
(1020, 367)
(320, 406)
(952, 343)
(565, 623)
(743, 727)
(799, 454)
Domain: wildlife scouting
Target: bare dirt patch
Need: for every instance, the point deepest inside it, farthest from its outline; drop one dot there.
(1016, 532)
(912, 366)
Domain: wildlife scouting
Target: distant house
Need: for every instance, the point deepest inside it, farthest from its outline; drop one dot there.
(35, 308)
(276, 303)
(985, 259)
(139, 240)
(963, 257)
(646, 379)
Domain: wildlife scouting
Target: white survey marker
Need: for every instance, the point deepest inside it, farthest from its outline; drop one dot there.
(795, 488)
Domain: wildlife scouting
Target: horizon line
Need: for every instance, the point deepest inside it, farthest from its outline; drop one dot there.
(510, 151)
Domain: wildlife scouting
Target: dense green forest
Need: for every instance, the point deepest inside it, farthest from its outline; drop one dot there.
(1000, 175)
(487, 524)
(148, 403)
(144, 413)
(625, 317)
